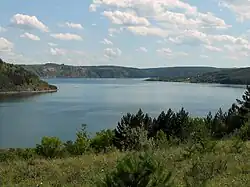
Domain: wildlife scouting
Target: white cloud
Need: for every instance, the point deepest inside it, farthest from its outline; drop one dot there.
(111, 31)
(228, 38)
(106, 42)
(2, 29)
(57, 51)
(93, 24)
(190, 37)
(66, 36)
(142, 49)
(112, 52)
(28, 22)
(72, 25)
(30, 36)
(167, 11)
(125, 18)
(209, 20)
(145, 31)
(212, 48)
(5, 45)
(52, 44)
(148, 5)
(166, 52)
(239, 7)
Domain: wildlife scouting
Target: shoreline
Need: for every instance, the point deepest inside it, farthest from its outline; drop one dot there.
(27, 92)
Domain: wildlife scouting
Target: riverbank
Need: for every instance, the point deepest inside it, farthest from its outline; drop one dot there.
(27, 92)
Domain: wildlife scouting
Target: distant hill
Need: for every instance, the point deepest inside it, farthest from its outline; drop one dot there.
(15, 78)
(56, 70)
(223, 76)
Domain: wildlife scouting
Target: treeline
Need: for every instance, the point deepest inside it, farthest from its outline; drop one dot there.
(224, 76)
(61, 70)
(16, 78)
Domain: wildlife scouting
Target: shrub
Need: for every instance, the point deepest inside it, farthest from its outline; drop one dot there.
(161, 140)
(137, 169)
(103, 141)
(81, 144)
(136, 139)
(244, 132)
(237, 146)
(26, 154)
(50, 147)
(202, 171)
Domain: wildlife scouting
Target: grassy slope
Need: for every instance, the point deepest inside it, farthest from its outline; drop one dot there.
(86, 170)
(16, 78)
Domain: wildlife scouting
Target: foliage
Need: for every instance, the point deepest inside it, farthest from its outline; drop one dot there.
(50, 147)
(62, 70)
(140, 170)
(81, 144)
(103, 141)
(202, 171)
(16, 78)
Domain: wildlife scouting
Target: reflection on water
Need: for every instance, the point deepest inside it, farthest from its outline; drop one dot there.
(20, 97)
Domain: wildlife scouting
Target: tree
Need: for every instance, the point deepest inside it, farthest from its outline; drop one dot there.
(244, 105)
(128, 122)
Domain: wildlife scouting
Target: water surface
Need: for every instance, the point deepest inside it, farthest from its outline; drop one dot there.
(100, 103)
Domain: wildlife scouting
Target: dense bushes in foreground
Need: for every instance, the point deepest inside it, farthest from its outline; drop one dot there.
(173, 149)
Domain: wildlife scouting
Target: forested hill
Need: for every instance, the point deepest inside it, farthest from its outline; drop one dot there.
(223, 76)
(56, 70)
(14, 78)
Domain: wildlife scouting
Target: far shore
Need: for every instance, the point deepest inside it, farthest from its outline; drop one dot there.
(27, 92)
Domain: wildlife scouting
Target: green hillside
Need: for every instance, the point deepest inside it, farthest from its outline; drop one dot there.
(226, 76)
(16, 78)
(56, 70)
(221, 76)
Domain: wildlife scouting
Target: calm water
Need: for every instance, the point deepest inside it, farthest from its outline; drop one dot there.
(100, 103)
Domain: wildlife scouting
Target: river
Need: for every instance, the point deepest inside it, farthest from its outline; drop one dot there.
(100, 103)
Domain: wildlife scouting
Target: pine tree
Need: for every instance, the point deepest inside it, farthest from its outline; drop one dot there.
(244, 105)
(128, 122)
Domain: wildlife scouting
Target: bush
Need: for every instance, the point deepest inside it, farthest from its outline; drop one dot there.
(244, 132)
(103, 141)
(137, 169)
(161, 140)
(81, 144)
(202, 171)
(50, 147)
(136, 139)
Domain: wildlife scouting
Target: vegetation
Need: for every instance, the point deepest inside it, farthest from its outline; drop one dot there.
(224, 76)
(169, 74)
(173, 149)
(16, 78)
(56, 70)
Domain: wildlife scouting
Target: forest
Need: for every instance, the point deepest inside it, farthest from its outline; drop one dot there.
(16, 78)
(173, 149)
(224, 76)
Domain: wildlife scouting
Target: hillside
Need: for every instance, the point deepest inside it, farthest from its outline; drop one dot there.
(14, 78)
(56, 70)
(224, 76)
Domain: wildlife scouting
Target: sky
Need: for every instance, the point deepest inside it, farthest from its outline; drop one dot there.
(132, 33)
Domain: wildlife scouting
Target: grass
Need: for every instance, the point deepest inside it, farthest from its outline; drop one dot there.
(224, 166)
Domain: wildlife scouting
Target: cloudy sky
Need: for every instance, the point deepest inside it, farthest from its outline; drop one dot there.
(138, 33)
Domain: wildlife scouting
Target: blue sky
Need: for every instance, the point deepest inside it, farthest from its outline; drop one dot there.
(137, 33)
